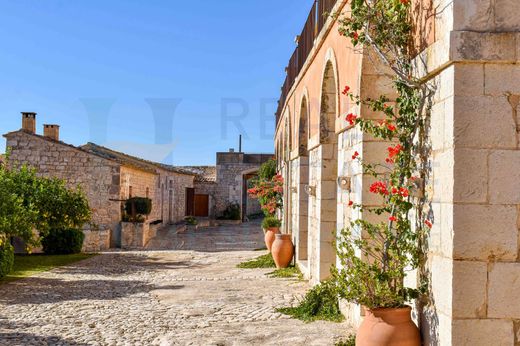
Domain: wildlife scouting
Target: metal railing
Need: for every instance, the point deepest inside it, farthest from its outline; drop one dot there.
(313, 26)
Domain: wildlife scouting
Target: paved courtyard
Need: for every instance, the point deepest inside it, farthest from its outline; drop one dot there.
(191, 295)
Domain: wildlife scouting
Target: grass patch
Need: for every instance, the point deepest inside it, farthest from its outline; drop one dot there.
(348, 341)
(264, 261)
(320, 303)
(28, 265)
(290, 272)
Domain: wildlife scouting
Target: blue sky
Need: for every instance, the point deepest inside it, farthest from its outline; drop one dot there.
(116, 71)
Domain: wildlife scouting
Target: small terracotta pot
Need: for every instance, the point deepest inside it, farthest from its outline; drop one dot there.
(269, 236)
(388, 327)
(282, 250)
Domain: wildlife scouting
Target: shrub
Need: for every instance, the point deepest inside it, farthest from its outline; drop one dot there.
(137, 207)
(6, 258)
(320, 303)
(190, 220)
(264, 261)
(63, 241)
(270, 221)
(232, 212)
(267, 170)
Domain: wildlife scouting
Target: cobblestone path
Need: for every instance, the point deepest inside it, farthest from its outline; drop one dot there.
(169, 297)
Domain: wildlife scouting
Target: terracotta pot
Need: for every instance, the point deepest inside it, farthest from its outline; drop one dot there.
(388, 327)
(282, 250)
(269, 236)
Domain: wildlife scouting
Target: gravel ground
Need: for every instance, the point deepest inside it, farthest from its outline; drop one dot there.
(161, 297)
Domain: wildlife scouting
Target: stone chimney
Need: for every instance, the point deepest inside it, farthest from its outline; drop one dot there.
(52, 131)
(29, 122)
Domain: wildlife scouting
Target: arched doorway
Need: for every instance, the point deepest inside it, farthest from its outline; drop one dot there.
(326, 191)
(302, 204)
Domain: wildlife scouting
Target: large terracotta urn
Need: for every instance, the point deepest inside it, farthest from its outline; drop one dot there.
(388, 327)
(282, 250)
(269, 236)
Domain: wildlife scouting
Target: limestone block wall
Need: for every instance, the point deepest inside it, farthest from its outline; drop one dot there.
(231, 168)
(99, 178)
(141, 183)
(300, 205)
(172, 195)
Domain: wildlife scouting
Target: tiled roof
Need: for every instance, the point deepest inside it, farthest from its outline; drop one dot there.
(204, 174)
(106, 157)
(131, 160)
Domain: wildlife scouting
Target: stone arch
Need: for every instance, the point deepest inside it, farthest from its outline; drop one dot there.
(322, 243)
(304, 125)
(329, 99)
(302, 175)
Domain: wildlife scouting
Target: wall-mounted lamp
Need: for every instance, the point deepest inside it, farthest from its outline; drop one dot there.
(345, 183)
(310, 190)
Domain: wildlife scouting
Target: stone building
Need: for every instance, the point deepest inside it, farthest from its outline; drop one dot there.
(471, 54)
(107, 177)
(218, 187)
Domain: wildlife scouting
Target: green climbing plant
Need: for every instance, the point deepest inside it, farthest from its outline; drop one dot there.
(375, 257)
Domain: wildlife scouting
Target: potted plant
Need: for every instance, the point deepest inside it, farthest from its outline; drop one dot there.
(375, 257)
(271, 226)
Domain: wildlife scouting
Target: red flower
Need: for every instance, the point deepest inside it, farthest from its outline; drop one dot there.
(392, 218)
(355, 35)
(404, 2)
(391, 127)
(351, 118)
(355, 156)
(428, 223)
(346, 90)
(394, 190)
(379, 187)
(404, 192)
(350, 203)
(392, 153)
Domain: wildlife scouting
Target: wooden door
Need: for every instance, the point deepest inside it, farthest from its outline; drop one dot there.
(201, 205)
(190, 201)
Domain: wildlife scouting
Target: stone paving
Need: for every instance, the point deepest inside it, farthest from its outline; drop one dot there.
(168, 297)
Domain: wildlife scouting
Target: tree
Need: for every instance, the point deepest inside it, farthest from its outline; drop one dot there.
(30, 202)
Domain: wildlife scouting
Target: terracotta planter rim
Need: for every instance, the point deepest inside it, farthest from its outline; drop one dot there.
(283, 236)
(383, 310)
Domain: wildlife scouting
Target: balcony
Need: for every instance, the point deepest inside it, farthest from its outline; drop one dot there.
(313, 26)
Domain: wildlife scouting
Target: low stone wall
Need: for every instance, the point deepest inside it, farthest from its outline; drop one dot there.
(96, 240)
(135, 235)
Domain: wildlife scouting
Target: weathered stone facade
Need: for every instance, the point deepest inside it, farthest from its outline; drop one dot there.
(471, 57)
(226, 183)
(107, 177)
(98, 177)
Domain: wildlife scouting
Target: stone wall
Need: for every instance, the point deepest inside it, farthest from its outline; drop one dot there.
(98, 177)
(231, 168)
(473, 186)
(139, 183)
(171, 195)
